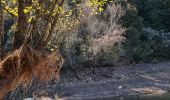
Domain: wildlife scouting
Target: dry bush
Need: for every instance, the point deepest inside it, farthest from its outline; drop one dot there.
(20, 66)
(67, 38)
(107, 35)
(93, 38)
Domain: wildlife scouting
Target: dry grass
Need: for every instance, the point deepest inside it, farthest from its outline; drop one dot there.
(20, 66)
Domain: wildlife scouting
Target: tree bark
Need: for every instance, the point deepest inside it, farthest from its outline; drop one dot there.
(1, 31)
(47, 35)
(22, 24)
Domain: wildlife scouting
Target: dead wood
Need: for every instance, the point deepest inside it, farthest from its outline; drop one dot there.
(20, 66)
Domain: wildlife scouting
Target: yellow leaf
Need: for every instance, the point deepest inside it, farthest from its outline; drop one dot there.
(25, 11)
(30, 19)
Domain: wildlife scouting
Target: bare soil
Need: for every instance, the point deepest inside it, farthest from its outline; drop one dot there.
(111, 82)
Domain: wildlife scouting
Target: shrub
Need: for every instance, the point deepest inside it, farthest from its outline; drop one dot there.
(94, 39)
(156, 13)
(145, 44)
(159, 42)
(134, 46)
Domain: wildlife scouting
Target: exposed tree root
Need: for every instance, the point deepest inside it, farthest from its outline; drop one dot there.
(20, 66)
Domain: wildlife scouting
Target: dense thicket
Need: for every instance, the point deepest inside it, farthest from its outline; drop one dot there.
(151, 31)
(156, 13)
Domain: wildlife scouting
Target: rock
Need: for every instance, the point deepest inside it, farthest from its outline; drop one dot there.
(29, 99)
(43, 98)
(120, 87)
(39, 98)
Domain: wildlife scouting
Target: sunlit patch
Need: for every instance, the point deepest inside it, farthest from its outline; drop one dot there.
(153, 91)
(150, 78)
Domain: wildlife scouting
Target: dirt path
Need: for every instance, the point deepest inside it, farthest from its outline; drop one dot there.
(108, 83)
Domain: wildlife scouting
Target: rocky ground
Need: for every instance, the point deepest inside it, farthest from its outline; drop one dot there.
(111, 82)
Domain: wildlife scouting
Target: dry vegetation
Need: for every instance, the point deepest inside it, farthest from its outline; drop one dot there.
(22, 65)
(77, 36)
(94, 39)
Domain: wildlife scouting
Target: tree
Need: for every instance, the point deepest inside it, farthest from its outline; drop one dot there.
(22, 23)
(1, 29)
(34, 27)
(155, 13)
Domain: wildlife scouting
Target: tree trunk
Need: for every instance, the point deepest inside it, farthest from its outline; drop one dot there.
(1, 31)
(52, 21)
(22, 24)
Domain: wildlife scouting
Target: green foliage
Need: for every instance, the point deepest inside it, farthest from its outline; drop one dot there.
(135, 49)
(142, 45)
(159, 43)
(147, 45)
(156, 13)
